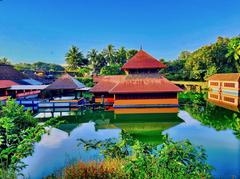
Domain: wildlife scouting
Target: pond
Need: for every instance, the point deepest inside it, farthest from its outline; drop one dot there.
(213, 127)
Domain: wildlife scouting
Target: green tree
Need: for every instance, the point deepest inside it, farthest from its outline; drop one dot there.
(18, 132)
(109, 53)
(234, 50)
(131, 53)
(4, 60)
(114, 69)
(121, 56)
(75, 58)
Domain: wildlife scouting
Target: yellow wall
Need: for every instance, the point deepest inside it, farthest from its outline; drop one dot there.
(146, 101)
(145, 110)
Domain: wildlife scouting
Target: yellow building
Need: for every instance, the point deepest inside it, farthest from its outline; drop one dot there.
(224, 88)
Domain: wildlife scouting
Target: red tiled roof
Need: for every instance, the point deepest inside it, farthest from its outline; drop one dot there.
(151, 83)
(65, 82)
(225, 77)
(106, 83)
(7, 83)
(142, 60)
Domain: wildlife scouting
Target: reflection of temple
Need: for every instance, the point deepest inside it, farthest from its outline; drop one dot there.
(224, 89)
(142, 90)
(144, 127)
(147, 128)
(224, 105)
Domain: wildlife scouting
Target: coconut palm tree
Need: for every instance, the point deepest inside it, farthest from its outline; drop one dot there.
(93, 58)
(109, 54)
(121, 56)
(4, 60)
(75, 58)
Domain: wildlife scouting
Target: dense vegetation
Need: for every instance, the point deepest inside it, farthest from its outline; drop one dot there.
(219, 57)
(39, 66)
(130, 158)
(18, 132)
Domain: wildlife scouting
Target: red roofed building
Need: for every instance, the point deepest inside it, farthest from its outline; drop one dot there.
(142, 90)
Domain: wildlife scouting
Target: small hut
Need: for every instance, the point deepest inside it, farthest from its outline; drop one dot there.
(66, 85)
(224, 88)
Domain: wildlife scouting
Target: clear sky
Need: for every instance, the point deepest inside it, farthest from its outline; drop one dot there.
(33, 30)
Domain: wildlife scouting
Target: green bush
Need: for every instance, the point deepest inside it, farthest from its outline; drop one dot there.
(86, 81)
(169, 160)
(19, 130)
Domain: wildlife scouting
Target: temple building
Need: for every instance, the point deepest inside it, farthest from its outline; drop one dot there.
(224, 89)
(142, 90)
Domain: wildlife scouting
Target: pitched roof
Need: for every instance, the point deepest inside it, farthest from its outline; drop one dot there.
(142, 60)
(106, 83)
(7, 83)
(65, 82)
(144, 83)
(7, 72)
(225, 77)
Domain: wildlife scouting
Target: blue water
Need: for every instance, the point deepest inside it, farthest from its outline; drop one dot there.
(60, 146)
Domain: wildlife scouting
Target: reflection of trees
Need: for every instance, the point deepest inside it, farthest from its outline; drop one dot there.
(214, 116)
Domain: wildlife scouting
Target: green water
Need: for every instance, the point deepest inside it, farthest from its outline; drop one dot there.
(215, 128)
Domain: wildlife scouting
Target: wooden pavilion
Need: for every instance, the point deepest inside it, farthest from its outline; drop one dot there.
(66, 85)
(142, 90)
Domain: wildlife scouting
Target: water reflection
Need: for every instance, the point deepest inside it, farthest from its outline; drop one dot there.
(204, 123)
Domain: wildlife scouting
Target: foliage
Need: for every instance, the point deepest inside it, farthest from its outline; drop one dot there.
(18, 132)
(214, 116)
(205, 61)
(234, 48)
(113, 69)
(4, 60)
(169, 160)
(86, 81)
(38, 65)
(104, 169)
(75, 58)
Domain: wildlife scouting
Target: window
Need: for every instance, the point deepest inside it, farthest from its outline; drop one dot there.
(215, 96)
(214, 83)
(228, 99)
(231, 85)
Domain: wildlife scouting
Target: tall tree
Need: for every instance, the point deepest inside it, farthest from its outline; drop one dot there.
(75, 58)
(93, 59)
(121, 56)
(131, 53)
(4, 60)
(109, 54)
(234, 51)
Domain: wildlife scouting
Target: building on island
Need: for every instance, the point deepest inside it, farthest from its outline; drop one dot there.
(142, 90)
(224, 88)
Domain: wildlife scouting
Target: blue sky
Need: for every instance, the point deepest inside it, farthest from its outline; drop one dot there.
(33, 30)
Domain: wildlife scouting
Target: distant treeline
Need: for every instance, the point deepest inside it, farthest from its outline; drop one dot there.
(219, 57)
